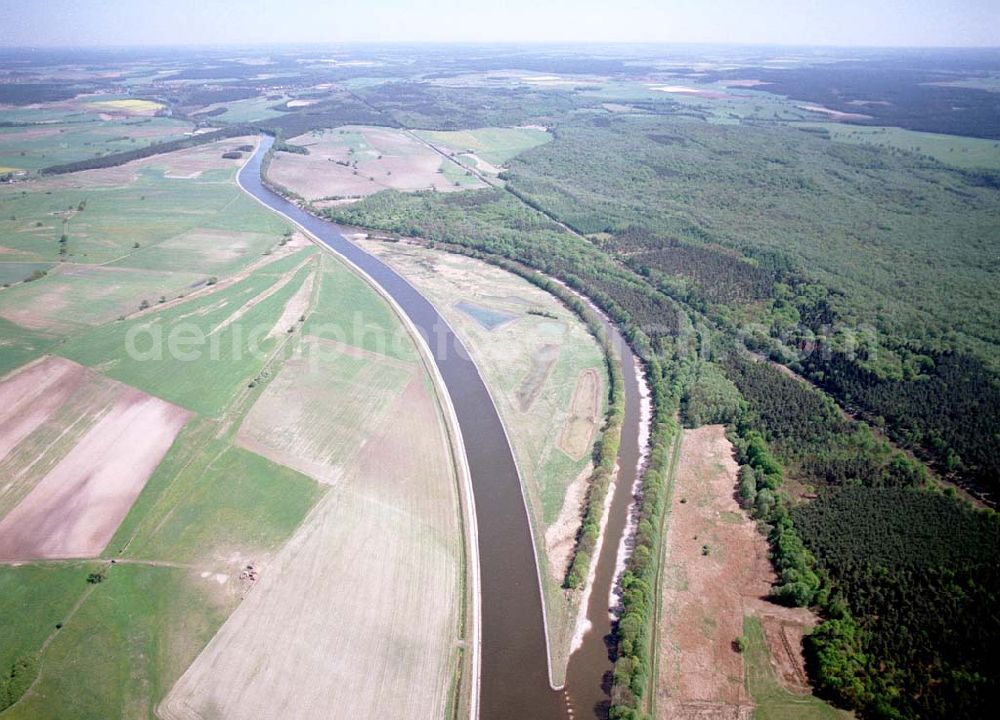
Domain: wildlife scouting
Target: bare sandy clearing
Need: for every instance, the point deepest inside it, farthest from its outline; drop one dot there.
(357, 615)
(76, 508)
(692, 92)
(581, 425)
(833, 114)
(716, 570)
(352, 162)
(784, 633)
(560, 536)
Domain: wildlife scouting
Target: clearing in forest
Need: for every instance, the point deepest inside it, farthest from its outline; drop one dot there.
(354, 161)
(486, 149)
(715, 580)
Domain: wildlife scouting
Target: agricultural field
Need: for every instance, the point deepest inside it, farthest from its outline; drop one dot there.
(369, 425)
(486, 149)
(79, 133)
(352, 162)
(186, 223)
(201, 345)
(548, 379)
(228, 487)
(78, 449)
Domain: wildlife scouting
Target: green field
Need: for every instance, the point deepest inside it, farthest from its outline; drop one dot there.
(348, 311)
(126, 644)
(33, 599)
(457, 176)
(494, 145)
(208, 498)
(773, 700)
(961, 152)
(147, 208)
(155, 232)
(244, 111)
(158, 228)
(220, 360)
(84, 136)
(18, 345)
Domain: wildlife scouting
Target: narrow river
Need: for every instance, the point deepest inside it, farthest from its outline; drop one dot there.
(514, 667)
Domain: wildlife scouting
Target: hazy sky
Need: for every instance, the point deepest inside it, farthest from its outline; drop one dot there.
(815, 22)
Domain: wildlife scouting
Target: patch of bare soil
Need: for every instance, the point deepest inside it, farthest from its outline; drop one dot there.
(542, 361)
(716, 567)
(583, 419)
(834, 114)
(560, 536)
(31, 395)
(784, 633)
(313, 421)
(76, 508)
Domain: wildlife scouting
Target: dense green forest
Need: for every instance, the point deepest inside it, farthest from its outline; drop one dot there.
(869, 271)
(916, 582)
(907, 577)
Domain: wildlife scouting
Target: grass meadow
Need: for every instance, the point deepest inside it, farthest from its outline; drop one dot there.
(494, 145)
(773, 700)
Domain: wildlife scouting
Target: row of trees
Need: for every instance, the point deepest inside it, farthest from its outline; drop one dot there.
(634, 630)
